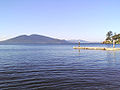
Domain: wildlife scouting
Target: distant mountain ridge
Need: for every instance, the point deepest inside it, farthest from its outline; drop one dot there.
(76, 41)
(34, 38)
(37, 39)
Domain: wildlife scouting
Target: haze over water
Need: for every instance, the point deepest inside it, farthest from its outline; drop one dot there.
(58, 67)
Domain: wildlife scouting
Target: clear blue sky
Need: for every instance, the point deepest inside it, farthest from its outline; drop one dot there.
(64, 19)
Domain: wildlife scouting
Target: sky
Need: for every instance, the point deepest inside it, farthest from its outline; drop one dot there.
(63, 19)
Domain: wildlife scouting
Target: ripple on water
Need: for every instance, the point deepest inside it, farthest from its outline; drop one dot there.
(42, 67)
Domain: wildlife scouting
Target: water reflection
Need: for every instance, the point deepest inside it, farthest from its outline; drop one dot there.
(111, 56)
(114, 56)
(79, 52)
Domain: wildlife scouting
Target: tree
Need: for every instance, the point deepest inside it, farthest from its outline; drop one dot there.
(115, 37)
(109, 35)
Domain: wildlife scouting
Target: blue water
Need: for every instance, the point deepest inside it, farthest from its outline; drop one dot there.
(58, 67)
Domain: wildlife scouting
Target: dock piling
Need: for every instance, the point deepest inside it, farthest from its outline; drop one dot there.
(113, 43)
(79, 44)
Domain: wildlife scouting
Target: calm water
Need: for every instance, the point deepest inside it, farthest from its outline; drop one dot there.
(58, 67)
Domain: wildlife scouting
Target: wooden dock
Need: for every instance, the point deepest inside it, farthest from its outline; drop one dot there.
(96, 48)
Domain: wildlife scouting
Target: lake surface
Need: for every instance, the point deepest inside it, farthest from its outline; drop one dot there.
(58, 67)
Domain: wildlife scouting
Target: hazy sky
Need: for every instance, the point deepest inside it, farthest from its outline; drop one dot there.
(64, 19)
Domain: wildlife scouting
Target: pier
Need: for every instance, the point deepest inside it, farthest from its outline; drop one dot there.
(96, 48)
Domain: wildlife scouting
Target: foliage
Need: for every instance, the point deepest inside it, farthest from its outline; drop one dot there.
(110, 37)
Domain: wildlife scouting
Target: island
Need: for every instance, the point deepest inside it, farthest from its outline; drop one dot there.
(110, 38)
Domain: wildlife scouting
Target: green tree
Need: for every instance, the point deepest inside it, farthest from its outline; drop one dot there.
(115, 36)
(109, 35)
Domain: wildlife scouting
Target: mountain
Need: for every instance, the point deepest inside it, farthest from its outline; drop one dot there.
(33, 39)
(76, 41)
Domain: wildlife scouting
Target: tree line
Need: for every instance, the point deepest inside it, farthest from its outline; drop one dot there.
(110, 37)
